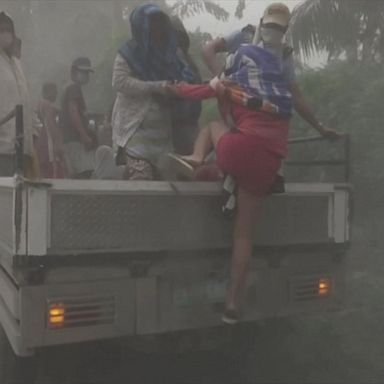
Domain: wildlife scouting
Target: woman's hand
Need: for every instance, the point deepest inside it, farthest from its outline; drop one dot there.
(219, 87)
(330, 134)
(172, 89)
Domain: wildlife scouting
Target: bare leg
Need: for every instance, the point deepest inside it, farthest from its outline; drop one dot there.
(206, 141)
(247, 209)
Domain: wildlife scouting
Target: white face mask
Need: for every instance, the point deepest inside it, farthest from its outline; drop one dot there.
(271, 36)
(6, 40)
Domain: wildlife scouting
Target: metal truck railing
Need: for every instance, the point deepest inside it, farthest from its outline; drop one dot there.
(344, 161)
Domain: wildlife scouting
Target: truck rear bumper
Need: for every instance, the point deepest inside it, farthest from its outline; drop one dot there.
(180, 293)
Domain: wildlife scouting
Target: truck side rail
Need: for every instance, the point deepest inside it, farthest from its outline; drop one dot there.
(344, 161)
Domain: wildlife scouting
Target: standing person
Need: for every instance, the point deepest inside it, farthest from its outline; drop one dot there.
(49, 144)
(254, 94)
(269, 35)
(142, 115)
(79, 142)
(13, 91)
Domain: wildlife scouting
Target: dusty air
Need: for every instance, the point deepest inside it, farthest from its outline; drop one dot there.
(190, 191)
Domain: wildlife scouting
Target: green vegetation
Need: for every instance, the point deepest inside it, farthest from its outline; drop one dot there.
(349, 98)
(342, 28)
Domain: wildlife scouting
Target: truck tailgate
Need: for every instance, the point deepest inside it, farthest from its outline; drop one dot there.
(72, 217)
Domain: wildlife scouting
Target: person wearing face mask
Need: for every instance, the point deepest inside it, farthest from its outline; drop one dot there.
(13, 91)
(79, 141)
(270, 34)
(256, 104)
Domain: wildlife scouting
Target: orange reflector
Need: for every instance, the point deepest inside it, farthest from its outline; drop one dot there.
(56, 319)
(56, 316)
(56, 311)
(324, 287)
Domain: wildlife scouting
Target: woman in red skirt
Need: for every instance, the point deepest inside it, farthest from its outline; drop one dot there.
(251, 142)
(251, 153)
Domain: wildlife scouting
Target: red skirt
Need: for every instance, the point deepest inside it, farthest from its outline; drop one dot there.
(249, 161)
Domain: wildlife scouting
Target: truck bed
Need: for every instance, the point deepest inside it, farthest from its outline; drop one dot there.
(70, 217)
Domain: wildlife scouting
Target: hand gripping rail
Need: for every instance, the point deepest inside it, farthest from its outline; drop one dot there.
(344, 161)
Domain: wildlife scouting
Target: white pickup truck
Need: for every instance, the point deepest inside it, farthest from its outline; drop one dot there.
(95, 260)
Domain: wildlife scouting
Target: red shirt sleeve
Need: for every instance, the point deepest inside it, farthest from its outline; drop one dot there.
(196, 92)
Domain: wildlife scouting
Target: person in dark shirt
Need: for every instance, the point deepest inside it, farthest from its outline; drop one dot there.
(79, 142)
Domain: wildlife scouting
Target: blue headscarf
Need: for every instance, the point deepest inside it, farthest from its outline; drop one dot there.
(147, 61)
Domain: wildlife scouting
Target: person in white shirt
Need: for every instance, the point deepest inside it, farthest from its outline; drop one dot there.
(13, 91)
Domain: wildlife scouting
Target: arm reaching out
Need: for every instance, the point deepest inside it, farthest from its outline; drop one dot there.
(192, 91)
(209, 53)
(304, 110)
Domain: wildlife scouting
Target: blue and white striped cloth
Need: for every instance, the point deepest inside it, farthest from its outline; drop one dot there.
(260, 74)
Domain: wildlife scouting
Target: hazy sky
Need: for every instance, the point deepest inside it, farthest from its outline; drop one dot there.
(252, 15)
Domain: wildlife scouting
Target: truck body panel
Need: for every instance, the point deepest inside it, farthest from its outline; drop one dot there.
(139, 258)
(88, 217)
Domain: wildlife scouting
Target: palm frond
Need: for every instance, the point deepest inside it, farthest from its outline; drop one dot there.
(187, 8)
(240, 8)
(316, 23)
(351, 27)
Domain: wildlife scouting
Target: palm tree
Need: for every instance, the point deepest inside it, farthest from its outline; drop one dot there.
(186, 8)
(354, 28)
